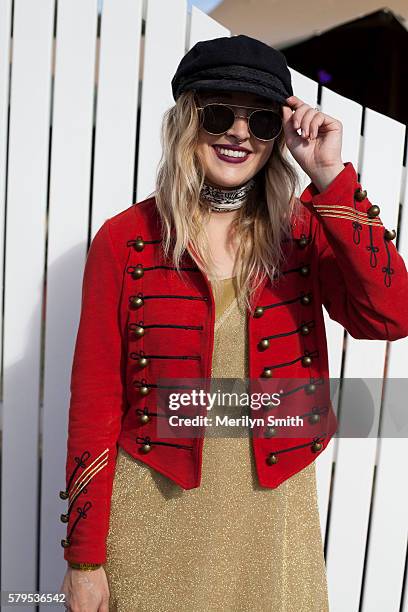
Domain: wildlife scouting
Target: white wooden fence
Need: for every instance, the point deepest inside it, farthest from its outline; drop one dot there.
(58, 185)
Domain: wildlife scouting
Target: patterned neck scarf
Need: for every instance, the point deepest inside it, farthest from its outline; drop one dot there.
(225, 200)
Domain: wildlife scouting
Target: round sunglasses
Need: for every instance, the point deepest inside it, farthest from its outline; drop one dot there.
(263, 123)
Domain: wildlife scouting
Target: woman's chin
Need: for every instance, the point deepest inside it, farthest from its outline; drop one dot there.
(228, 183)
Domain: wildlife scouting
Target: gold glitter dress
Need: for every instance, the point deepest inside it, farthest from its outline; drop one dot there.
(228, 545)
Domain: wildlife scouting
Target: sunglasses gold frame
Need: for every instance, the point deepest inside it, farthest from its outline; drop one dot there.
(247, 117)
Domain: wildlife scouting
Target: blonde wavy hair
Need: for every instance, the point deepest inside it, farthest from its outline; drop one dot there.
(261, 224)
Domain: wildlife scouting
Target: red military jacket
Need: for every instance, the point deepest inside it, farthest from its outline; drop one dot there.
(142, 323)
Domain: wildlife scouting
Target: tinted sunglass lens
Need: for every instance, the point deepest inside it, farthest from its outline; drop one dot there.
(217, 119)
(265, 124)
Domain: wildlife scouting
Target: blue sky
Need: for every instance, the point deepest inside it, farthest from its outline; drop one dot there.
(204, 5)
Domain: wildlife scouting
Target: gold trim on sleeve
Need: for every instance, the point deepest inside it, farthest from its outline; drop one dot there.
(351, 217)
(341, 208)
(89, 471)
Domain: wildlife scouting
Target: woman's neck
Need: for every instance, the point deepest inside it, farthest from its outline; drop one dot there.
(225, 200)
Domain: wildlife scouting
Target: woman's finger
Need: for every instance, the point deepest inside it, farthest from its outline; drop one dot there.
(315, 123)
(307, 118)
(299, 107)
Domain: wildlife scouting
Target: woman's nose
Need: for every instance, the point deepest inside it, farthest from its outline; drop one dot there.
(240, 126)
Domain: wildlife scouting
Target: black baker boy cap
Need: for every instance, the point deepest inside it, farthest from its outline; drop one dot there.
(236, 63)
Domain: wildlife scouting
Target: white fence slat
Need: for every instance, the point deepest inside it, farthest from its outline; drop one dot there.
(388, 530)
(25, 251)
(117, 105)
(163, 50)
(68, 221)
(389, 525)
(382, 163)
(348, 522)
(5, 31)
(381, 176)
(204, 27)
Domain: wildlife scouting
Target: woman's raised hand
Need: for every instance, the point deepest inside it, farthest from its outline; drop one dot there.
(317, 149)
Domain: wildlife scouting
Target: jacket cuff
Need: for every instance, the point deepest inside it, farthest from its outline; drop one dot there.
(340, 190)
(344, 199)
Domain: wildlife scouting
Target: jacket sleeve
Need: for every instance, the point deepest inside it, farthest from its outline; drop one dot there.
(97, 404)
(363, 279)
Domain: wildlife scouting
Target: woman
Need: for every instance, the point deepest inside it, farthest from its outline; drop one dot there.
(189, 284)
